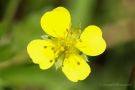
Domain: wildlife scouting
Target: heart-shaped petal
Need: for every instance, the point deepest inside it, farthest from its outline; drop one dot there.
(41, 53)
(75, 68)
(56, 22)
(91, 41)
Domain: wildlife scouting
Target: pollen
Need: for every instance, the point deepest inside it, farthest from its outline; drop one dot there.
(62, 48)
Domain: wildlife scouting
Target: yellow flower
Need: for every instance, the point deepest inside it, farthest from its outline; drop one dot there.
(64, 46)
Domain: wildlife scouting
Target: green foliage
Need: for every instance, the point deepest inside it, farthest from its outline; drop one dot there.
(6, 52)
(2, 29)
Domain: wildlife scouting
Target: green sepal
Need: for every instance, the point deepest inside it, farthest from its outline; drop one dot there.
(77, 27)
(76, 31)
(59, 60)
(85, 57)
(45, 37)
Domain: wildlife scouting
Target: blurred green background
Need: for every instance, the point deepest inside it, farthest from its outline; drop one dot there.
(112, 70)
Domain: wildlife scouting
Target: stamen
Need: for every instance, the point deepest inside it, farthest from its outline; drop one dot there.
(63, 41)
(52, 48)
(56, 60)
(51, 61)
(54, 51)
(66, 52)
(78, 63)
(79, 31)
(80, 53)
(82, 47)
(45, 46)
(74, 57)
(62, 48)
(56, 33)
(71, 32)
(49, 37)
(48, 46)
(67, 30)
(80, 40)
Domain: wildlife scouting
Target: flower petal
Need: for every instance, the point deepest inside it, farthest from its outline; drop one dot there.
(41, 53)
(45, 64)
(75, 68)
(56, 22)
(91, 42)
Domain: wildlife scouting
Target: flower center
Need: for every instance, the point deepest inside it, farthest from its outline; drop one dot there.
(67, 44)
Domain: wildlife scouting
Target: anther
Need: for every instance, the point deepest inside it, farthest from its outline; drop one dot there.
(62, 49)
(79, 31)
(80, 53)
(80, 40)
(62, 41)
(67, 30)
(66, 52)
(75, 39)
(49, 37)
(54, 51)
(52, 48)
(51, 61)
(71, 32)
(45, 46)
(78, 63)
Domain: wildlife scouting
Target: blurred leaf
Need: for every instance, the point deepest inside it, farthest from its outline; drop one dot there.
(81, 11)
(29, 6)
(3, 83)
(31, 75)
(27, 30)
(11, 11)
(112, 11)
(2, 29)
(6, 53)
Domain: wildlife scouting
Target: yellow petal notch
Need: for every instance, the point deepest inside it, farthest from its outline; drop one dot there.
(41, 53)
(75, 68)
(91, 41)
(56, 22)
